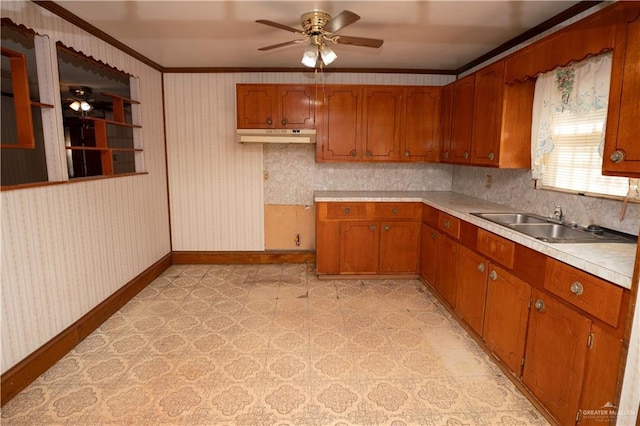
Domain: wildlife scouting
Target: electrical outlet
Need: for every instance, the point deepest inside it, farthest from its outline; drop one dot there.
(488, 181)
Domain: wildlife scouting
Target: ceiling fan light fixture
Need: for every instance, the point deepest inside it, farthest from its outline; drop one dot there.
(310, 56)
(81, 106)
(327, 54)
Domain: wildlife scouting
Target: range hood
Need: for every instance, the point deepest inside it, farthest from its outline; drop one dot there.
(276, 135)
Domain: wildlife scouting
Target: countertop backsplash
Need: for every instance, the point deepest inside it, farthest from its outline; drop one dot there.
(293, 175)
(515, 188)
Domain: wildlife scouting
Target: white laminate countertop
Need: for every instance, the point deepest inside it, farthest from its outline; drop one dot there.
(613, 262)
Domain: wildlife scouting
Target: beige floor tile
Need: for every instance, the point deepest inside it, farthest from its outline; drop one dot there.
(274, 345)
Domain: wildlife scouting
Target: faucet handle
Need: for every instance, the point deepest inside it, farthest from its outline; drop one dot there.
(557, 213)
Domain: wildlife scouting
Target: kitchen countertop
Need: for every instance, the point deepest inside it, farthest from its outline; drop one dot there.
(613, 262)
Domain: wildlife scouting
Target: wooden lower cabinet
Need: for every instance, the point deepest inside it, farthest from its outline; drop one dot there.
(446, 269)
(399, 247)
(471, 288)
(505, 317)
(428, 254)
(359, 242)
(556, 356)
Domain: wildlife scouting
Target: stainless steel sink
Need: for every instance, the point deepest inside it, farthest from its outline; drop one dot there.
(544, 229)
(511, 218)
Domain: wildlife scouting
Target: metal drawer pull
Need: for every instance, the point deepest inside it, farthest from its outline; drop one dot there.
(577, 288)
(387, 227)
(493, 275)
(447, 224)
(433, 235)
(481, 267)
(446, 154)
(394, 210)
(283, 121)
(617, 156)
(372, 227)
(491, 156)
(465, 155)
(539, 305)
(347, 210)
(269, 121)
(407, 154)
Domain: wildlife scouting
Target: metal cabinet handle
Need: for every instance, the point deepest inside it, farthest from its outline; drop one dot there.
(347, 210)
(387, 228)
(617, 156)
(407, 154)
(353, 153)
(493, 275)
(394, 210)
(465, 155)
(369, 153)
(269, 121)
(481, 267)
(433, 236)
(372, 227)
(446, 154)
(491, 156)
(283, 121)
(577, 288)
(539, 305)
(447, 224)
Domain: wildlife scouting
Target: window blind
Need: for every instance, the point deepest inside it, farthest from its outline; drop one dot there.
(575, 163)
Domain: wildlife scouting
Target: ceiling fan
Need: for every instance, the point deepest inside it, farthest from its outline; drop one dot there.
(318, 31)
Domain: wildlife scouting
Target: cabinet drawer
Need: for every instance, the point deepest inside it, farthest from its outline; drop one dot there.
(398, 211)
(346, 210)
(449, 224)
(591, 294)
(497, 248)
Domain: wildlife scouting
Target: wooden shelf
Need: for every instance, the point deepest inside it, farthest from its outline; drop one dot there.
(121, 98)
(40, 104)
(114, 122)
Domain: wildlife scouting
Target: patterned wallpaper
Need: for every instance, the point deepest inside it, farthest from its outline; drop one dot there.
(65, 248)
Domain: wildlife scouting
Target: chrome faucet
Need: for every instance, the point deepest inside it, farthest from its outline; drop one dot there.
(558, 215)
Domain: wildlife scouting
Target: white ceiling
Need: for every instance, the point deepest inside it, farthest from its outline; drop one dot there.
(438, 35)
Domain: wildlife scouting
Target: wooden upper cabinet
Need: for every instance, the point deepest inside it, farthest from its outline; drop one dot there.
(271, 106)
(383, 109)
(256, 106)
(554, 365)
(462, 120)
(421, 131)
(621, 154)
(487, 114)
(446, 117)
(339, 120)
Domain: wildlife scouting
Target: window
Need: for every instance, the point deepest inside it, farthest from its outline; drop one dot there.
(23, 149)
(570, 112)
(98, 116)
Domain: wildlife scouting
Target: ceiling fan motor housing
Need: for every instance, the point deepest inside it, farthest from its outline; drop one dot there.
(313, 22)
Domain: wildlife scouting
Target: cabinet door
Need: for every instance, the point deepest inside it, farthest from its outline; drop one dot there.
(381, 123)
(359, 247)
(421, 133)
(428, 254)
(328, 247)
(471, 287)
(256, 106)
(338, 130)
(556, 353)
(446, 271)
(505, 317)
(621, 149)
(462, 119)
(296, 107)
(446, 114)
(399, 247)
(485, 141)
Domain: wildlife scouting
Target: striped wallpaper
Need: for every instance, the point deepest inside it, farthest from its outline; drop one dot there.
(67, 247)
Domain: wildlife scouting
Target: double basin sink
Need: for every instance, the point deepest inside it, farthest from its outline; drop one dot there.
(545, 229)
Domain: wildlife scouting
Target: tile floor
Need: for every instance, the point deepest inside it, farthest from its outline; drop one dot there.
(273, 345)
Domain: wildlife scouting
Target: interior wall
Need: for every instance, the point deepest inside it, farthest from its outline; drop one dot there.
(67, 247)
(217, 186)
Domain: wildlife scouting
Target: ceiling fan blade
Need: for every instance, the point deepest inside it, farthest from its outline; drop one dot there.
(286, 43)
(276, 25)
(340, 21)
(359, 41)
